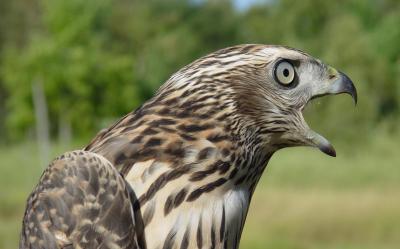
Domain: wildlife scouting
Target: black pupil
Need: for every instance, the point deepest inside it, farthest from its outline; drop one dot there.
(286, 72)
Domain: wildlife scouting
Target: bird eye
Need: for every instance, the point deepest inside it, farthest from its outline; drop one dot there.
(284, 73)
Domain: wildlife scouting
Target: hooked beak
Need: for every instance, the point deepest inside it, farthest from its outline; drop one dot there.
(344, 85)
(341, 84)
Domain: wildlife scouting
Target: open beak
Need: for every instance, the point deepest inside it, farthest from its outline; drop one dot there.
(341, 84)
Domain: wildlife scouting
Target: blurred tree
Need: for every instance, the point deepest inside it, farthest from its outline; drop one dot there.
(100, 59)
(17, 20)
(79, 71)
(4, 7)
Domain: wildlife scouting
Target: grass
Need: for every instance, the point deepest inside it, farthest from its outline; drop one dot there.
(315, 218)
(305, 200)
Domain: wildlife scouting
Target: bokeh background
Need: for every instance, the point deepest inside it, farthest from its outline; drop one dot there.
(71, 68)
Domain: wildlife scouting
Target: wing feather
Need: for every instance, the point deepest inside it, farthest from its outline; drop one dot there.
(81, 201)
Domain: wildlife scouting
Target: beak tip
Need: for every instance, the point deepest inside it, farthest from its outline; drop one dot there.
(322, 144)
(329, 150)
(349, 87)
(353, 93)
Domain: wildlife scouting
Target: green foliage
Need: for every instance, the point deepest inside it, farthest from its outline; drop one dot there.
(99, 59)
(72, 59)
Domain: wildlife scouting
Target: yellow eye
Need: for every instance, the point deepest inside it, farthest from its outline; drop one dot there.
(284, 72)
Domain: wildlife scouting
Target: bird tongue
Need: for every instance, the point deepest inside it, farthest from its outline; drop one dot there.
(321, 143)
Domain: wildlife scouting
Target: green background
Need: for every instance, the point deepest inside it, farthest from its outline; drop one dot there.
(99, 59)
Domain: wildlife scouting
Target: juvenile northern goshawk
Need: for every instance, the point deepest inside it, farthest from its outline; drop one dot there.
(179, 171)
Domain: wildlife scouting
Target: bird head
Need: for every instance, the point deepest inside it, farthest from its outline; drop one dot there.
(268, 86)
(273, 87)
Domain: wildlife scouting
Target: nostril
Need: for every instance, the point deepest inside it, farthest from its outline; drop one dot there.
(332, 76)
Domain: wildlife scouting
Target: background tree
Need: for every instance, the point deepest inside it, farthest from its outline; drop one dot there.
(100, 59)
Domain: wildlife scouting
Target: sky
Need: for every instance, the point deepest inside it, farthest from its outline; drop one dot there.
(243, 5)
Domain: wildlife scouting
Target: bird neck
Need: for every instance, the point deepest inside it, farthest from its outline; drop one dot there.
(193, 173)
(203, 200)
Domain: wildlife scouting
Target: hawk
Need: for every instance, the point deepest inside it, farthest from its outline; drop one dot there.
(180, 171)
